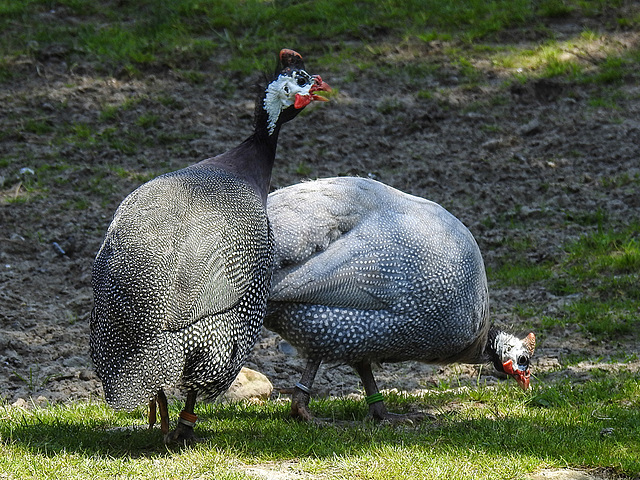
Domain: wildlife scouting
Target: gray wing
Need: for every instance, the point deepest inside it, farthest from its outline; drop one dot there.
(343, 275)
(334, 246)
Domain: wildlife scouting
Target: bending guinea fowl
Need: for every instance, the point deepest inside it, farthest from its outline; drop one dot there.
(365, 273)
(182, 277)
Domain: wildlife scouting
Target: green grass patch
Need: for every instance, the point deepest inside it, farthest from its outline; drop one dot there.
(185, 34)
(522, 274)
(604, 319)
(601, 273)
(488, 432)
(606, 254)
(38, 126)
(589, 58)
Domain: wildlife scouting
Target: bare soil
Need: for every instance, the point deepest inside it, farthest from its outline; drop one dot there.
(516, 162)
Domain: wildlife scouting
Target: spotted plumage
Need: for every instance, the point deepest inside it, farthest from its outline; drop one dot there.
(196, 313)
(365, 273)
(182, 277)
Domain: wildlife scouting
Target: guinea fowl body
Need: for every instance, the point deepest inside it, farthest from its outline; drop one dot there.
(180, 285)
(182, 278)
(365, 273)
(377, 275)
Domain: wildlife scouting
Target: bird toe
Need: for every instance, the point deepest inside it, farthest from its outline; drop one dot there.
(182, 436)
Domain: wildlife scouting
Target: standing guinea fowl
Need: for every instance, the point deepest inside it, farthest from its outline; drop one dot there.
(365, 273)
(182, 278)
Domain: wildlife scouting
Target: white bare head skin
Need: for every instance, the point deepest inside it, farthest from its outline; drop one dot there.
(295, 89)
(514, 355)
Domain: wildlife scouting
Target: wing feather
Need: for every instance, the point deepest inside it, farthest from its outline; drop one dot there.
(176, 262)
(325, 249)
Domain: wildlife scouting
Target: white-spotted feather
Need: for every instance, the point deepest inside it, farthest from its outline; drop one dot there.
(355, 255)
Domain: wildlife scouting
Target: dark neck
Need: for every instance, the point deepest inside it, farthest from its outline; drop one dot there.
(475, 353)
(490, 349)
(253, 159)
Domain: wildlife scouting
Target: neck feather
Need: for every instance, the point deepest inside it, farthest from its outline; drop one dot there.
(494, 345)
(253, 159)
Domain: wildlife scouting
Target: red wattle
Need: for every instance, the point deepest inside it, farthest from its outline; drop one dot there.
(301, 101)
(508, 367)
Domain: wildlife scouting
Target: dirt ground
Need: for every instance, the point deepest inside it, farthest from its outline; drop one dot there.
(516, 162)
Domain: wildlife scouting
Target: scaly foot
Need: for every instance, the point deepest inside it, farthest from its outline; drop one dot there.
(182, 435)
(378, 411)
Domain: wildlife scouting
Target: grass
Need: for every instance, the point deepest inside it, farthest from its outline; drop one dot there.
(599, 272)
(185, 34)
(589, 58)
(486, 433)
(121, 130)
(195, 40)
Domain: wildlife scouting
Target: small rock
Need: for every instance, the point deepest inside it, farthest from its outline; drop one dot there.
(75, 361)
(11, 355)
(287, 348)
(85, 374)
(529, 212)
(20, 403)
(561, 201)
(249, 384)
(58, 249)
(531, 128)
(65, 247)
(493, 144)
(561, 474)
(17, 238)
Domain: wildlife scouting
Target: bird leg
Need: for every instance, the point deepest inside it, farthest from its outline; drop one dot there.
(161, 401)
(377, 408)
(183, 433)
(152, 412)
(302, 392)
(161, 398)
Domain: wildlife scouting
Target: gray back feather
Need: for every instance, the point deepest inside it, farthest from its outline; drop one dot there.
(355, 242)
(402, 263)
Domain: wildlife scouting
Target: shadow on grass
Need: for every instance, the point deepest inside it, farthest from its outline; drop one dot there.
(566, 424)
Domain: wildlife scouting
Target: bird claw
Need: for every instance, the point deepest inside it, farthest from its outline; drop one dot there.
(300, 411)
(401, 419)
(183, 435)
(378, 412)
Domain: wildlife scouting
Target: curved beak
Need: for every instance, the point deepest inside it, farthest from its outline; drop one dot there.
(319, 85)
(520, 376)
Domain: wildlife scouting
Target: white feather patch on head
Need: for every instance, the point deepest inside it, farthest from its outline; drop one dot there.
(510, 347)
(281, 94)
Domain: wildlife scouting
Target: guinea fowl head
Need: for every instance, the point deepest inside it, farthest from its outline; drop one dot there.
(512, 355)
(290, 91)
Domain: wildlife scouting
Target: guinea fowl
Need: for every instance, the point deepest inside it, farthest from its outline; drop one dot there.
(182, 278)
(365, 273)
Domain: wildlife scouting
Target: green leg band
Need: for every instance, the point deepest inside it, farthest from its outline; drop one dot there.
(375, 398)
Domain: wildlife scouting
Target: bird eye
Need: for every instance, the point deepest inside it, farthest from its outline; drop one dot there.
(302, 78)
(523, 361)
(286, 90)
